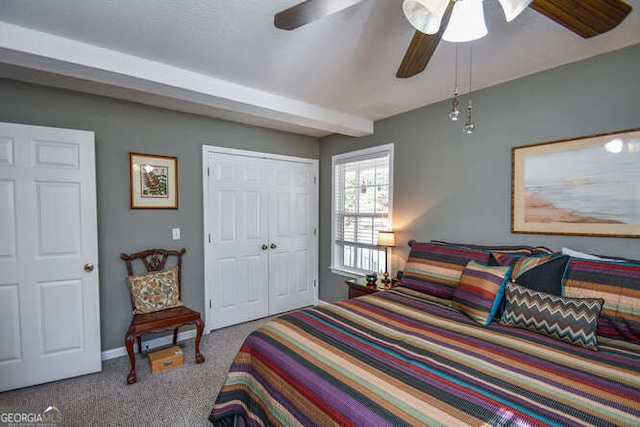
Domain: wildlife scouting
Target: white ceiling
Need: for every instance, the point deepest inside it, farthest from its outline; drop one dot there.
(226, 59)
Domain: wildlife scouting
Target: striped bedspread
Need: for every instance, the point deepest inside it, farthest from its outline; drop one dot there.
(393, 358)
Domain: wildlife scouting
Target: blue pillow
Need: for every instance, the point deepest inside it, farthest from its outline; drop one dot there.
(540, 273)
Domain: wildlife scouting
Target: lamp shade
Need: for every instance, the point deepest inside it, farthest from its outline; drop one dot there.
(425, 15)
(386, 238)
(512, 8)
(466, 23)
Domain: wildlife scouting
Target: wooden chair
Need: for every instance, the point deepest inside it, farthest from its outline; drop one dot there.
(163, 320)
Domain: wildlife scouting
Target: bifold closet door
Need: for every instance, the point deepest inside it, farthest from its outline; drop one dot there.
(261, 255)
(292, 229)
(237, 269)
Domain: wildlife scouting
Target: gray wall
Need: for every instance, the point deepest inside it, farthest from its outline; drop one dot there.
(447, 185)
(456, 187)
(121, 127)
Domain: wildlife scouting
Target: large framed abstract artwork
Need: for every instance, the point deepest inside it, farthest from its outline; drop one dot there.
(583, 186)
(154, 181)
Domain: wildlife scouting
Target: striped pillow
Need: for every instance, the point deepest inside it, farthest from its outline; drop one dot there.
(572, 320)
(526, 264)
(618, 284)
(538, 250)
(480, 291)
(500, 258)
(435, 270)
(515, 250)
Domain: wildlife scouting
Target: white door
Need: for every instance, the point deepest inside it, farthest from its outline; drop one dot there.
(236, 255)
(292, 236)
(260, 235)
(49, 303)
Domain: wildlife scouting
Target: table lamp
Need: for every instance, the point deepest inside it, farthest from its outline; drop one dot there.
(387, 239)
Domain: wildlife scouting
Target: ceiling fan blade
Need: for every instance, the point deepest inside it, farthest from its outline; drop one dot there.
(587, 18)
(421, 48)
(309, 11)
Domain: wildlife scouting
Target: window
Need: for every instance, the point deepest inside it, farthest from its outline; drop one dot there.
(362, 203)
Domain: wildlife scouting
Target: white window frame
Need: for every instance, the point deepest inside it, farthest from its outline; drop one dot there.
(337, 266)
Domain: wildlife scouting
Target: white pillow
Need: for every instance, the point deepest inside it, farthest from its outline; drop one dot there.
(578, 254)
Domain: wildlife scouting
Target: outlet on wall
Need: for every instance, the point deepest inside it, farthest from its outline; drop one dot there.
(175, 233)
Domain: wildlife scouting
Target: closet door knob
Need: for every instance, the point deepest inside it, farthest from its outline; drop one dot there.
(273, 246)
(264, 247)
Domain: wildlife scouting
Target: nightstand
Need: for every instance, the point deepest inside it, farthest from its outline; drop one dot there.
(359, 287)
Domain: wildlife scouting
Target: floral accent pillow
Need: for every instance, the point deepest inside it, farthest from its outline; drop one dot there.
(155, 291)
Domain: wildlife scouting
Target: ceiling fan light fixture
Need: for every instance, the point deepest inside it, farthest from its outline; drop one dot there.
(467, 22)
(513, 8)
(425, 15)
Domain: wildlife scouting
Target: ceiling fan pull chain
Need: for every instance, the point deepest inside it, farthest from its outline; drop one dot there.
(454, 115)
(469, 127)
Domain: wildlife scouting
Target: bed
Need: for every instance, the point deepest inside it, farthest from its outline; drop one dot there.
(399, 357)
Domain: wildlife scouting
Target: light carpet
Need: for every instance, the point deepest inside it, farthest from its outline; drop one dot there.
(182, 396)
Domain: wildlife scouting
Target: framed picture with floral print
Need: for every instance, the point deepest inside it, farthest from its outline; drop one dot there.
(154, 181)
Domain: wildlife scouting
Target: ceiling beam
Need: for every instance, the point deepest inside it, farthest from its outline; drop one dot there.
(215, 97)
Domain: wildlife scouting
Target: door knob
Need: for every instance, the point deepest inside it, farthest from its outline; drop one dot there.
(264, 247)
(88, 267)
(273, 246)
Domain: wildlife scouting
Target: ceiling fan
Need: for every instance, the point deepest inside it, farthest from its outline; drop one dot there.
(587, 18)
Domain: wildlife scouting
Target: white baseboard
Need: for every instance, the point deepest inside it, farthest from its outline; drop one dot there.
(148, 344)
(159, 342)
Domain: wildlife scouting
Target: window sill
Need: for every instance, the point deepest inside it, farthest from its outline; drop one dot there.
(354, 274)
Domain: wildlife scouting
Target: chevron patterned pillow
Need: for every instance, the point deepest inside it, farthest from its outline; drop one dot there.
(572, 320)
